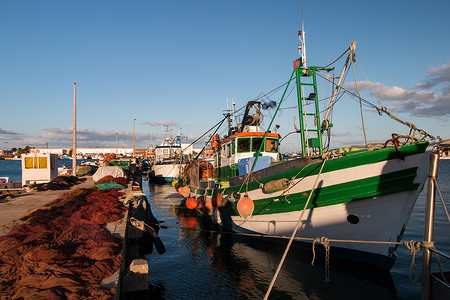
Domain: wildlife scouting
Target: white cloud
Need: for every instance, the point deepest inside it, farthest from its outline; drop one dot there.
(436, 76)
(161, 123)
(420, 100)
(8, 132)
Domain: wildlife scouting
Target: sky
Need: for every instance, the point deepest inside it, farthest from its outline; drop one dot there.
(177, 63)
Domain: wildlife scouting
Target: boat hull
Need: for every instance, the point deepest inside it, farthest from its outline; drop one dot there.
(163, 173)
(381, 219)
(364, 197)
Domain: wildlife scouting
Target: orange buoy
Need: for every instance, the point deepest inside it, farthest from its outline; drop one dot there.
(184, 191)
(191, 203)
(245, 207)
(217, 200)
(174, 182)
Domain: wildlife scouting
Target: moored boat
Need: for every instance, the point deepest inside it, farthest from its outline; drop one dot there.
(168, 160)
(349, 195)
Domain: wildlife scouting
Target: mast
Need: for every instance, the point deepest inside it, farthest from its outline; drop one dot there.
(302, 50)
(351, 55)
(311, 138)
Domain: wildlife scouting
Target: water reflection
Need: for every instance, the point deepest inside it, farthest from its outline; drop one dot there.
(210, 265)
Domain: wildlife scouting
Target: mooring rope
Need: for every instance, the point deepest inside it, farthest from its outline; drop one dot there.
(412, 245)
(293, 235)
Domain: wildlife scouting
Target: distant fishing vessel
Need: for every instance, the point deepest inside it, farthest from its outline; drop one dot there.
(445, 152)
(354, 194)
(168, 159)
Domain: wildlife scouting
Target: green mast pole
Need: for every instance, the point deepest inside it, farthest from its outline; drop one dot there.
(298, 72)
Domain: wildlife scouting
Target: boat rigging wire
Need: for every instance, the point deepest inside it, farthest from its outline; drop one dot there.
(218, 124)
(345, 52)
(360, 105)
(274, 90)
(379, 101)
(383, 109)
(442, 199)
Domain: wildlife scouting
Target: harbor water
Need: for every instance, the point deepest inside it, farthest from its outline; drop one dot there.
(12, 168)
(206, 264)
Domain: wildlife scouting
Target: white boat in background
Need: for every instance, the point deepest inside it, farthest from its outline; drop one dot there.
(168, 161)
(444, 153)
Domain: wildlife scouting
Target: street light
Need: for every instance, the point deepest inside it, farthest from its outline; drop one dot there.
(134, 141)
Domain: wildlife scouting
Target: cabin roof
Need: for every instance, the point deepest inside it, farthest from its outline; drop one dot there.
(251, 134)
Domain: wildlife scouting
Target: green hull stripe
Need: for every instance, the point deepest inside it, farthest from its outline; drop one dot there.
(376, 186)
(359, 159)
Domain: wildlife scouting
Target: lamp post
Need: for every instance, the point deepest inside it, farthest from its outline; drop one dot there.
(117, 147)
(134, 141)
(74, 152)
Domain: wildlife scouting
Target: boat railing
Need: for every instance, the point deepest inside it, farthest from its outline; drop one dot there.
(440, 281)
(435, 285)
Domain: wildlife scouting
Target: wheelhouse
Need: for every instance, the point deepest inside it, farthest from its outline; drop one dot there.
(167, 153)
(242, 146)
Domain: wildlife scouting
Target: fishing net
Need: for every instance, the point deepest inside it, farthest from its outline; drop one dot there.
(59, 183)
(110, 178)
(62, 250)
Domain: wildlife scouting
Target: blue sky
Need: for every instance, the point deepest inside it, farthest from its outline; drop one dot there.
(177, 62)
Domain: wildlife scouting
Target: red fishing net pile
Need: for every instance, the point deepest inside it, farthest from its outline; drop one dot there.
(120, 180)
(62, 251)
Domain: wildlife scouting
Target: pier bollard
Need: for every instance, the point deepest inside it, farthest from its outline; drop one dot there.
(136, 278)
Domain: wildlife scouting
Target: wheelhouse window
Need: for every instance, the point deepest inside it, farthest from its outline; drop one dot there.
(256, 144)
(244, 145)
(229, 150)
(271, 145)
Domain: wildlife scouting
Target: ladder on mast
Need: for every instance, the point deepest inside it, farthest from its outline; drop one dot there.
(308, 103)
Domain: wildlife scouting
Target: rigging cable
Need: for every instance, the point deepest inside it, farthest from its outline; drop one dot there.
(218, 126)
(345, 52)
(383, 109)
(360, 105)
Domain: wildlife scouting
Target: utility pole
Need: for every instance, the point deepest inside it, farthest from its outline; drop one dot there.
(134, 141)
(117, 147)
(74, 151)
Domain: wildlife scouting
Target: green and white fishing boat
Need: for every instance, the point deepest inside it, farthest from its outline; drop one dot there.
(364, 195)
